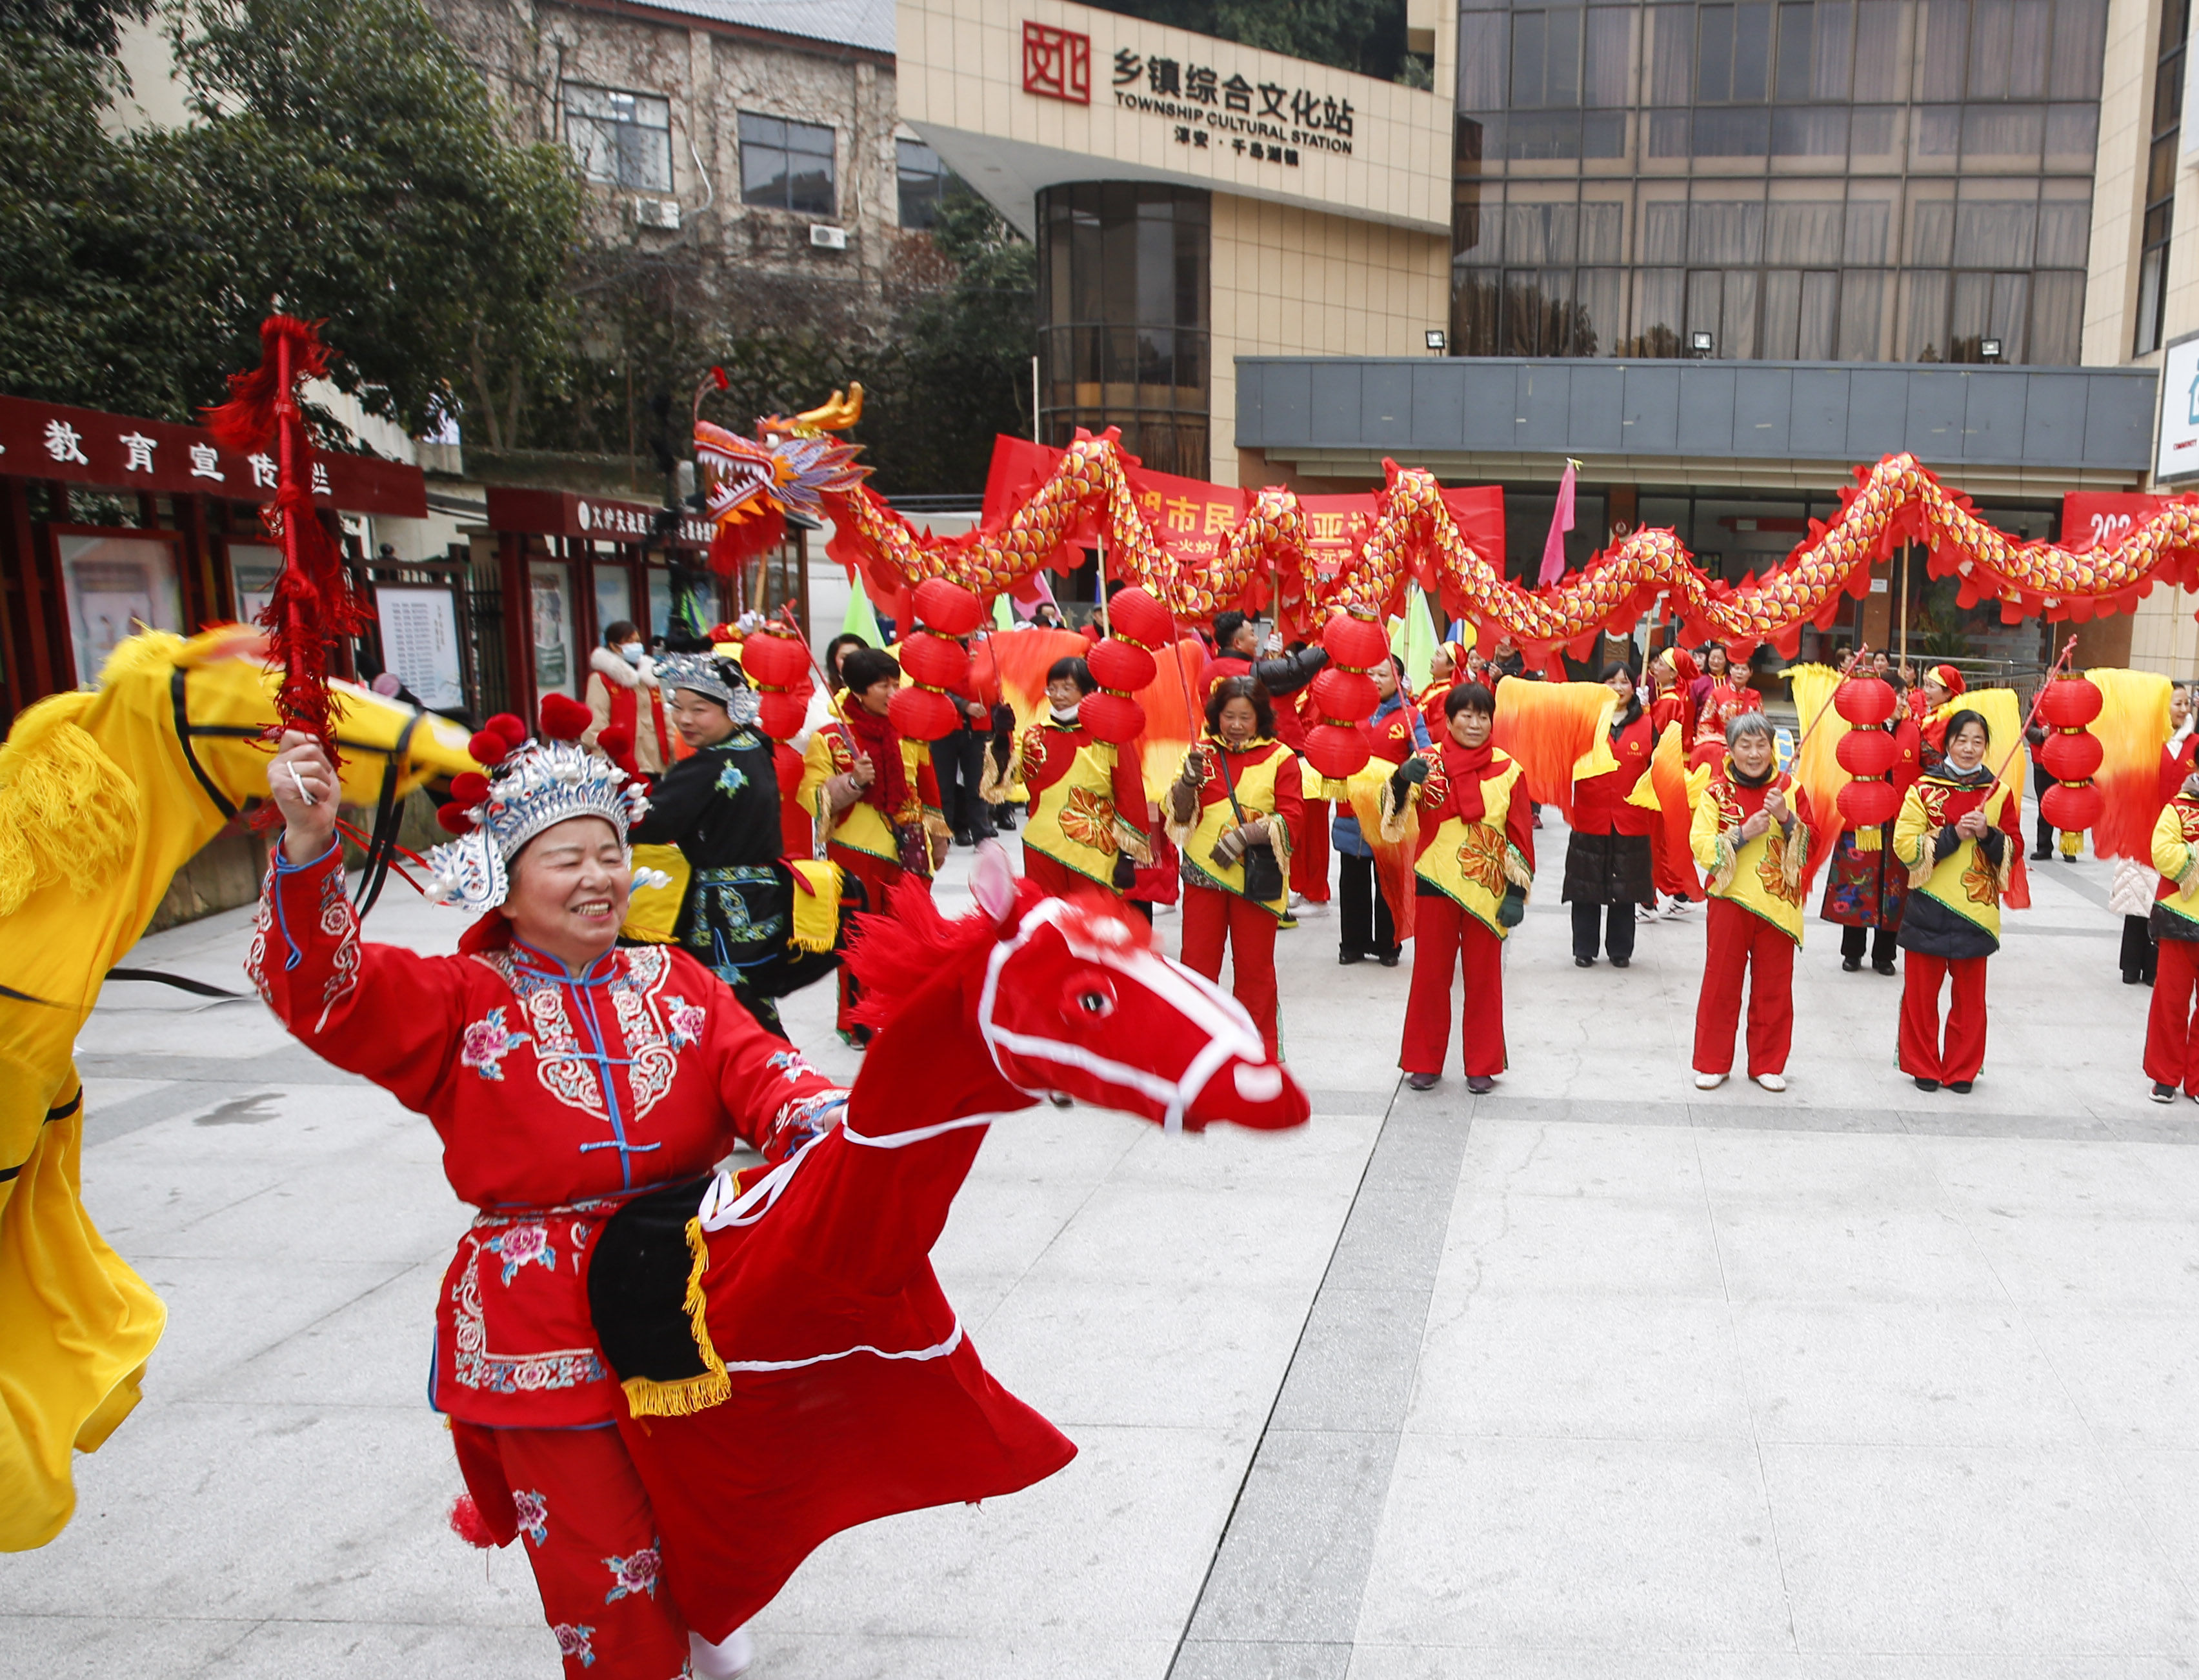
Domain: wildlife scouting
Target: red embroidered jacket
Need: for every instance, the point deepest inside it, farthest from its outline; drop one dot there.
(555, 1096)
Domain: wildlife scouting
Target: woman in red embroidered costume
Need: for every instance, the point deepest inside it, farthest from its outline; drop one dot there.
(1751, 835)
(1672, 706)
(564, 1075)
(1472, 867)
(1718, 696)
(2172, 1027)
(1230, 812)
(1088, 800)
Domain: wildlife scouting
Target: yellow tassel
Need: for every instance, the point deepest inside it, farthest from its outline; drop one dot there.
(67, 813)
(1867, 839)
(685, 1395)
(816, 911)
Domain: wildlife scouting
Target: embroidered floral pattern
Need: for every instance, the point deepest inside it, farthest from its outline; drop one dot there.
(569, 1074)
(573, 1642)
(487, 1041)
(531, 1511)
(635, 1574)
(731, 780)
(1481, 857)
(1980, 881)
(686, 1021)
(803, 1121)
(473, 1366)
(790, 1065)
(1089, 819)
(1771, 868)
(338, 923)
(518, 1245)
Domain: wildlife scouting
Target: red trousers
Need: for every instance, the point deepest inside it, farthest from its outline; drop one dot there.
(2171, 1030)
(1923, 1056)
(1212, 918)
(1057, 877)
(1447, 936)
(1738, 943)
(877, 875)
(573, 1497)
(1309, 853)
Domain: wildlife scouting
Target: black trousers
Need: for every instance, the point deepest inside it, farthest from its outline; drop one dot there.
(1615, 922)
(1361, 910)
(2140, 955)
(2040, 781)
(1880, 941)
(959, 761)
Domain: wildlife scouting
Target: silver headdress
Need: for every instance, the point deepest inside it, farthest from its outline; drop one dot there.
(535, 786)
(703, 673)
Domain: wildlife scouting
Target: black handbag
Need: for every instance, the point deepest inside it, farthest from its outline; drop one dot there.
(1264, 870)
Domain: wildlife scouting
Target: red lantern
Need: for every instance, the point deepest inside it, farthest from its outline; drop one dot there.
(1115, 718)
(1336, 749)
(1135, 616)
(1118, 665)
(2072, 808)
(773, 659)
(1345, 696)
(780, 712)
(935, 661)
(2072, 756)
(2069, 702)
(922, 714)
(1356, 644)
(1865, 700)
(1866, 752)
(1866, 803)
(947, 607)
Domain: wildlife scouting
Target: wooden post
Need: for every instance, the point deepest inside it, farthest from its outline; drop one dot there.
(518, 623)
(1904, 604)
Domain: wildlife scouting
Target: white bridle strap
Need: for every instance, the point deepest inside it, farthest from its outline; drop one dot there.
(1229, 1029)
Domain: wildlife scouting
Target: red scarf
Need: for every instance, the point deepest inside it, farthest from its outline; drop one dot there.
(876, 738)
(1463, 769)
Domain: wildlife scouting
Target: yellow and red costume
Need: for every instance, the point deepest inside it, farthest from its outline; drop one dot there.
(1476, 847)
(1951, 923)
(1721, 701)
(1088, 803)
(2172, 1029)
(1217, 912)
(1754, 924)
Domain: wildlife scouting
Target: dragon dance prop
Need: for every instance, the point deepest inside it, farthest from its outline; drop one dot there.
(1265, 558)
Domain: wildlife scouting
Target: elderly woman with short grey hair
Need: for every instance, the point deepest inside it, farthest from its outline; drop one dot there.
(1750, 835)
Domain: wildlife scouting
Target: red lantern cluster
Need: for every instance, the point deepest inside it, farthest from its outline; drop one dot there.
(1120, 668)
(933, 661)
(2070, 753)
(777, 666)
(1344, 695)
(1866, 752)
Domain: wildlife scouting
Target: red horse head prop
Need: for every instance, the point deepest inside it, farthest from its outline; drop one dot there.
(1069, 996)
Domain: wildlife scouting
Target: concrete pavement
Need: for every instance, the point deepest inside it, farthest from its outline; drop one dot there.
(1597, 1375)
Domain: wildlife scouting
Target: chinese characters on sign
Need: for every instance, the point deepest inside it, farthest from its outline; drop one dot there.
(1056, 63)
(1284, 120)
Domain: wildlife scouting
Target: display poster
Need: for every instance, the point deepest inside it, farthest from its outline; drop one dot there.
(252, 570)
(115, 586)
(420, 643)
(660, 601)
(614, 596)
(556, 657)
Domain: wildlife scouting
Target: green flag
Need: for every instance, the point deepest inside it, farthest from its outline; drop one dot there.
(1004, 615)
(861, 620)
(1412, 640)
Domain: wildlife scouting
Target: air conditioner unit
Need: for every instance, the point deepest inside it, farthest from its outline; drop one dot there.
(828, 238)
(658, 212)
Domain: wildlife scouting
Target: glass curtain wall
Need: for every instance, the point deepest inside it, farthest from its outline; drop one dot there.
(1811, 180)
(1123, 271)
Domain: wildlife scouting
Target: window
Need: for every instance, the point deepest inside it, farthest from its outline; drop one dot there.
(923, 181)
(786, 165)
(2161, 175)
(623, 138)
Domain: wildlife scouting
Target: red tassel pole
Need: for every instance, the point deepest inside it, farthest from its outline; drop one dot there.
(313, 605)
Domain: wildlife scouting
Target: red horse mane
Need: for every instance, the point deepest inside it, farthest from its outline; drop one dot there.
(892, 953)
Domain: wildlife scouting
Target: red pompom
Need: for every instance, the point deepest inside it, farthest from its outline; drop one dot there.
(489, 747)
(2069, 702)
(508, 724)
(780, 712)
(947, 607)
(616, 740)
(935, 661)
(774, 659)
(923, 716)
(1118, 665)
(563, 718)
(1865, 804)
(1863, 700)
(454, 819)
(2072, 808)
(1344, 697)
(469, 1525)
(468, 788)
(1356, 644)
(1866, 752)
(1335, 750)
(1115, 718)
(2071, 757)
(1135, 616)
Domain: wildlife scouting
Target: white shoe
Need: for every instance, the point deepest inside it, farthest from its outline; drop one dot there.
(1642, 913)
(1709, 1081)
(1770, 1082)
(726, 1660)
(1678, 907)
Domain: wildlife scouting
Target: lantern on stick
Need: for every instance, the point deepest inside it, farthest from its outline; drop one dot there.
(1866, 752)
(2071, 754)
(1120, 668)
(933, 661)
(777, 666)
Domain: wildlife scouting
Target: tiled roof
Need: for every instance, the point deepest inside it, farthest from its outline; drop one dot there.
(855, 23)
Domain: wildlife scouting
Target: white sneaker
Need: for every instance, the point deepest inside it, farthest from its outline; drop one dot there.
(1770, 1082)
(1678, 907)
(1642, 913)
(726, 1660)
(1709, 1081)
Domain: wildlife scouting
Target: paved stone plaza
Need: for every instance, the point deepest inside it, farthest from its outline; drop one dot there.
(1596, 1376)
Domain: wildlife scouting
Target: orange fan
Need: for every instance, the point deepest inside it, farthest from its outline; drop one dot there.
(2133, 727)
(1555, 731)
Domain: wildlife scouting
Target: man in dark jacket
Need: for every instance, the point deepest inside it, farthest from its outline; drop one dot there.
(1237, 646)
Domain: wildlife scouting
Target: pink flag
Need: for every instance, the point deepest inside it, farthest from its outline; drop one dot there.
(1562, 521)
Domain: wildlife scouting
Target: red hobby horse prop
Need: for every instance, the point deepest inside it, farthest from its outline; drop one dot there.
(794, 1367)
